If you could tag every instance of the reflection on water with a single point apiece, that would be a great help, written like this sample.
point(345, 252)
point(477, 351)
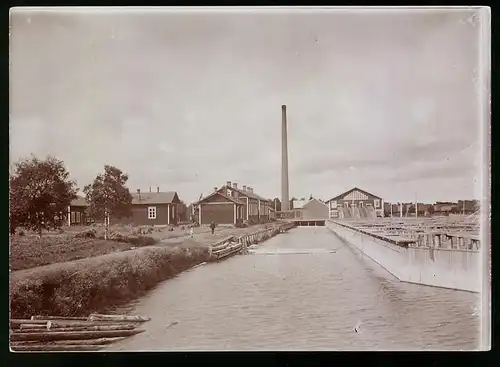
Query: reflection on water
point(317, 300)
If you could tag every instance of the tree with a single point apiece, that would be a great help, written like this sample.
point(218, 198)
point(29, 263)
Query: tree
point(182, 211)
point(310, 196)
point(107, 196)
point(40, 192)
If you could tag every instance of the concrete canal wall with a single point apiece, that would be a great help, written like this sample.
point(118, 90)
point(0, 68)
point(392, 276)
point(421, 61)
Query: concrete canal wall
point(448, 268)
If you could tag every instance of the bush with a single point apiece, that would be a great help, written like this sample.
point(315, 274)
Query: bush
point(91, 233)
point(92, 285)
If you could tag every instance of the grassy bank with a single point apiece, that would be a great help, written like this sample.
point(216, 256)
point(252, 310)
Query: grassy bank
point(70, 274)
point(29, 251)
point(80, 287)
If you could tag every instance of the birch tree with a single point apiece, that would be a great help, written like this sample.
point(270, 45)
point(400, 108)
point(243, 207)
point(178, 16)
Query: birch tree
point(108, 196)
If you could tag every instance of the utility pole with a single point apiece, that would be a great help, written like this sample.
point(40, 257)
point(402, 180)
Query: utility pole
point(416, 205)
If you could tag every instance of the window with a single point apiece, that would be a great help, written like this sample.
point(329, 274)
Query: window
point(334, 204)
point(360, 203)
point(377, 203)
point(346, 204)
point(152, 212)
point(73, 217)
point(78, 217)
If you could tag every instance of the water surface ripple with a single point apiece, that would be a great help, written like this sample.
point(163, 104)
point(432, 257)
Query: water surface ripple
point(302, 301)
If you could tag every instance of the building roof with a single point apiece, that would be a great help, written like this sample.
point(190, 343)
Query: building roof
point(167, 197)
point(79, 201)
point(247, 193)
point(351, 190)
point(298, 204)
point(234, 200)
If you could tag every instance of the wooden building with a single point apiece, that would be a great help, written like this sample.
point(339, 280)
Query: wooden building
point(241, 205)
point(312, 209)
point(255, 207)
point(220, 209)
point(152, 208)
point(77, 212)
point(355, 200)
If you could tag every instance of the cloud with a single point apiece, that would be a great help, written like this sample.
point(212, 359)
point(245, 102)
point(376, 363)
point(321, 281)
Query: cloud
point(188, 101)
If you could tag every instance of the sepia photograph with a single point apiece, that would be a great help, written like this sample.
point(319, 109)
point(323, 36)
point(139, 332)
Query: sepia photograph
point(249, 179)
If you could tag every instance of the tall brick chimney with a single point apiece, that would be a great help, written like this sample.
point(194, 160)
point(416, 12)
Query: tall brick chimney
point(285, 202)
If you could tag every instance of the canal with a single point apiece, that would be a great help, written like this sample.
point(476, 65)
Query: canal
point(306, 301)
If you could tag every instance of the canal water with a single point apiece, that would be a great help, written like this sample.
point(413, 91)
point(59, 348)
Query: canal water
point(295, 300)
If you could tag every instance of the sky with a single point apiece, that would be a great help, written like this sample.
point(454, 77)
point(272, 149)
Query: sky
point(387, 101)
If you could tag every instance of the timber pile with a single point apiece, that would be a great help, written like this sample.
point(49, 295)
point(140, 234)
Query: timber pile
point(53, 333)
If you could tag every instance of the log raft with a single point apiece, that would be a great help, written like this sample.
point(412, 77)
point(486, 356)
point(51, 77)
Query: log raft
point(52, 333)
point(233, 245)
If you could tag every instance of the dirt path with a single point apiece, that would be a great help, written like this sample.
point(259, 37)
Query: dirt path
point(202, 235)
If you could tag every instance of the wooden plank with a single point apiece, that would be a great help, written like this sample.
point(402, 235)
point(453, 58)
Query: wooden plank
point(72, 335)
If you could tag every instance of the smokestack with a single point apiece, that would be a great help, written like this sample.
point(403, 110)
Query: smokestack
point(285, 202)
point(139, 193)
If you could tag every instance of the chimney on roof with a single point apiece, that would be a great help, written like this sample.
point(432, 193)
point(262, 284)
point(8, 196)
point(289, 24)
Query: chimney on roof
point(244, 187)
point(215, 188)
point(235, 185)
point(250, 189)
point(157, 188)
point(228, 184)
point(139, 193)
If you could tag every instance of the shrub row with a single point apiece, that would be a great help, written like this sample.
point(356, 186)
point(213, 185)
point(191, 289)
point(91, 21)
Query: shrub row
point(91, 285)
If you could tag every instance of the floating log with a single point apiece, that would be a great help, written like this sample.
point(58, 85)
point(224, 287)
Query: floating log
point(72, 335)
point(27, 321)
point(69, 318)
point(34, 326)
point(62, 323)
point(55, 348)
point(99, 317)
point(81, 328)
point(99, 341)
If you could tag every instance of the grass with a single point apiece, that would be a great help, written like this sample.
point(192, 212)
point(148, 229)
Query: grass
point(74, 274)
point(78, 288)
point(30, 251)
